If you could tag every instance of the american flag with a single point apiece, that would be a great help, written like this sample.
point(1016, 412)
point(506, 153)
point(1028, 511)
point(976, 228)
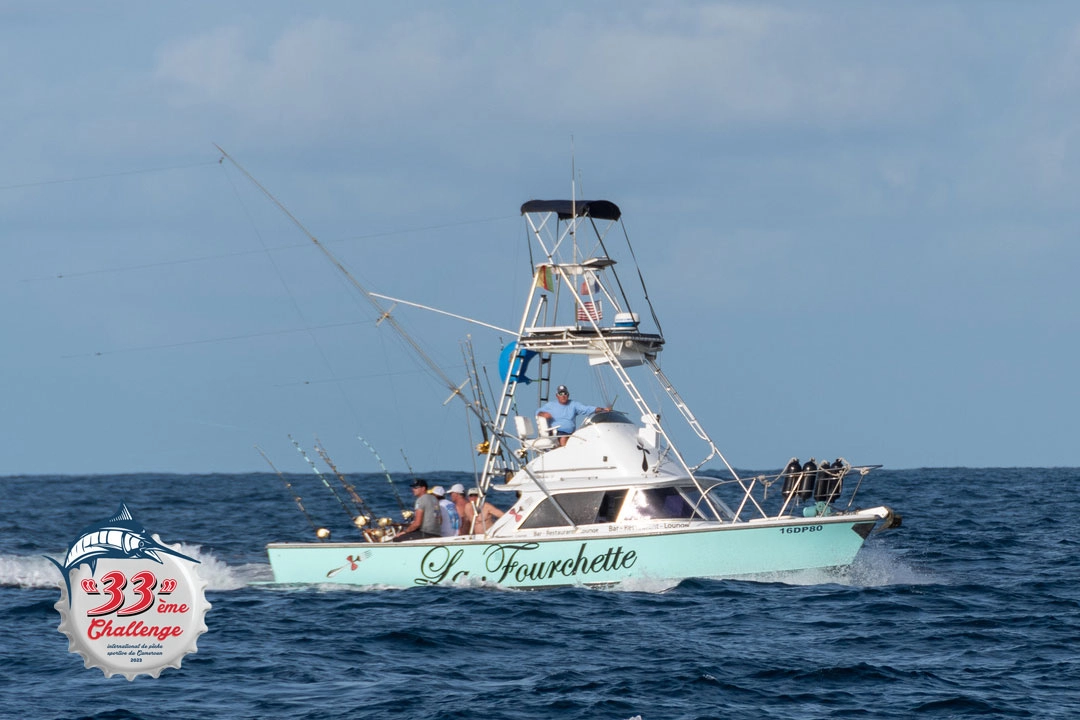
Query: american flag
point(589, 310)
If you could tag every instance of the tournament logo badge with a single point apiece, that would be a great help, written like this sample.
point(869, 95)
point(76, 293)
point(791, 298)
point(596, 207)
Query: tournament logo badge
point(130, 605)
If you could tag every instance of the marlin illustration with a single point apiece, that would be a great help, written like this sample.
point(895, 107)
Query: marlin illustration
point(119, 537)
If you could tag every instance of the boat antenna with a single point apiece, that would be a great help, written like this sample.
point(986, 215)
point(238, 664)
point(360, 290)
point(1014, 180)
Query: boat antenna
point(296, 496)
point(322, 477)
point(358, 501)
point(383, 313)
point(573, 203)
point(386, 472)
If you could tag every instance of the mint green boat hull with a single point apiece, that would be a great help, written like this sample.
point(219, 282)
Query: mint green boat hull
point(707, 552)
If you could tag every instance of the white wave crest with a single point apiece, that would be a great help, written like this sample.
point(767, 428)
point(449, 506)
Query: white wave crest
point(35, 571)
point(222, 576)
point(873, 567)
point(29, 571)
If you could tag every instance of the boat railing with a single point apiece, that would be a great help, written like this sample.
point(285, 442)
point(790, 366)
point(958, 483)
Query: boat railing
point(863, 471)
point(801, 485)
point(747, 484)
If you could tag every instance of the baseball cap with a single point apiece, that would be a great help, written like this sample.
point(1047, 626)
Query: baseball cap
point(418, 482)
point(474, 491)
point(457, 488)
point(562, 390)
point(438, 491)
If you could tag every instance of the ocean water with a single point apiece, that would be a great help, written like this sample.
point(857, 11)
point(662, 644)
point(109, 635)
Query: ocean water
point(971, 609)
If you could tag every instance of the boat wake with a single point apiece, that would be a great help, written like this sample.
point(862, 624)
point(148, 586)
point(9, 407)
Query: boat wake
point(35, 571)
point(222, 576)
point(645, 585)
point(873, 567)
point(32, 571)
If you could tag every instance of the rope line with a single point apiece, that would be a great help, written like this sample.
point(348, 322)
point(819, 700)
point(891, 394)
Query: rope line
point(123, 173)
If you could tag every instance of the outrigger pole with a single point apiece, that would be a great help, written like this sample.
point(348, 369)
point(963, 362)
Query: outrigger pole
point(383, 313)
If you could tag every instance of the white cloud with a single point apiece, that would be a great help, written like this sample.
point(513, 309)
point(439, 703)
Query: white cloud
point(318, 72)
point(210, 67)
point(713, 66)
point(706, 66)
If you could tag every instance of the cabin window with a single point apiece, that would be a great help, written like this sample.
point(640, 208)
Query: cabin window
point(584, 508)
point(610, 506)
point(657, 503)
point(611, 416)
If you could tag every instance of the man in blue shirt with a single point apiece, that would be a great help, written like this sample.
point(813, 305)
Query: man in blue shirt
point(561, 413)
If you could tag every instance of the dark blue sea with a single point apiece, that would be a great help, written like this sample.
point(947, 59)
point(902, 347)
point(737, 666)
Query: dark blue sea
point(971, 609)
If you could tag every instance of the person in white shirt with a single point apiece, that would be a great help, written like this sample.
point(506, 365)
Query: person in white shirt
point(451, 521)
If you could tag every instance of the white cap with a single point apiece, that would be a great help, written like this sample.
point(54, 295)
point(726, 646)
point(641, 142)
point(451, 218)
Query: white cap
point(457, 488)
point(438, 491)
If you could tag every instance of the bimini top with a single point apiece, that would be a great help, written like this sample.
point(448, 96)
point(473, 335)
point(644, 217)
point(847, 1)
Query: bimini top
point(600, 209)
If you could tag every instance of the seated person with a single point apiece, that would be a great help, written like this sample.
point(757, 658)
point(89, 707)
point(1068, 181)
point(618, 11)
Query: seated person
point(426, 522)
point(479, 516)
point(561, 413)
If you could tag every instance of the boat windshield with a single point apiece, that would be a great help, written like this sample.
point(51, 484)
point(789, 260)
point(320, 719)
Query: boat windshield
point(610, 416)
point(583, 508)
point(698, 503)
point(600, 506)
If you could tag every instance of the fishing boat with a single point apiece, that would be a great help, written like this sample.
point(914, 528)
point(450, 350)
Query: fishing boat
point(635, 493)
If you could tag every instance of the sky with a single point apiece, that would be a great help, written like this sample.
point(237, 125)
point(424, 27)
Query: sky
point(856, 221)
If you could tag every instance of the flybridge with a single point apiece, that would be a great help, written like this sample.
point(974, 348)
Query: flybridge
point(631, 347)
point(580, 307)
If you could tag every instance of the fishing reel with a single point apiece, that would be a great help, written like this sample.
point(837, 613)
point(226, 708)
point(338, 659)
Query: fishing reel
point(385, 534)
point(361, 520)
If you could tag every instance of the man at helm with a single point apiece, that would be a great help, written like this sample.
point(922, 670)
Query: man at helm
point(562, 412)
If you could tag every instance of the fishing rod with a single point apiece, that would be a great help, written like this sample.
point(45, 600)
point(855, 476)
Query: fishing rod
point(404, 513)
point(329, 487)
point(321, 533)
point(488, 427)
point(406, 459)
point(478, 391)
point(365, 511)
